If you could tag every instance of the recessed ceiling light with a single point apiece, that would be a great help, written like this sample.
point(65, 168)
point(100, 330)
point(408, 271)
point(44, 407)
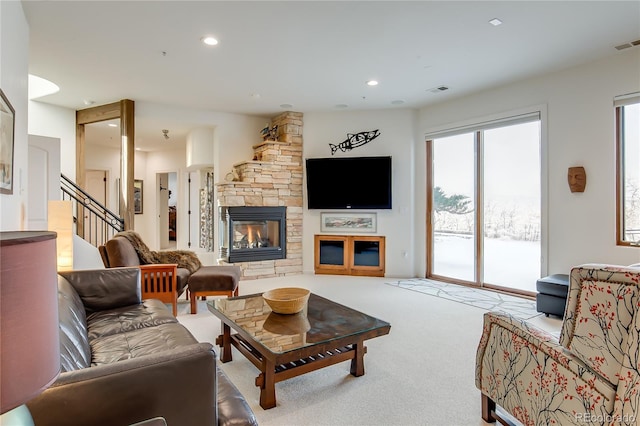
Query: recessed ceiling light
point(286, 106)
point(209, 41)
point(88, 102)
point(112, 125)
point(397, 102)
point(495, 22)
point(372, 83)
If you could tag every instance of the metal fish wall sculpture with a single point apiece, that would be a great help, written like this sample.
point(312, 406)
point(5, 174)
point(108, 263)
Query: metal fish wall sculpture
point(354, 141)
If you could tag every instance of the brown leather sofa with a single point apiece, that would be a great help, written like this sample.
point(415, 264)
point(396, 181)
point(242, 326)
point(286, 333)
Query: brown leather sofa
point(206, 281)
point(125, 360)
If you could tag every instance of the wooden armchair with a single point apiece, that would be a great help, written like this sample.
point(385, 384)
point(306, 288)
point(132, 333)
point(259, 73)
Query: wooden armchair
point(201, 280)
point(160, 282)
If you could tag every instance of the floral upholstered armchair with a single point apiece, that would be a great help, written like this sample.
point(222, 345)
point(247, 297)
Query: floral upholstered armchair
point(591, 376)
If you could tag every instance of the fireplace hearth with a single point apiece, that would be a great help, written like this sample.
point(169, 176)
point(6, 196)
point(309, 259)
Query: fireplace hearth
point(251, 234)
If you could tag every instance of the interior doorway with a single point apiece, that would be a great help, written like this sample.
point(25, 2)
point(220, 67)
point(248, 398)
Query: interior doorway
point(167, 196)
point(124, 111)
point(44, 178)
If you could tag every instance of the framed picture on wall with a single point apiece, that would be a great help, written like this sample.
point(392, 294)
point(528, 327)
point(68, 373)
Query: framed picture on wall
point(137, 196)
point(348, 222)
point(7, 127)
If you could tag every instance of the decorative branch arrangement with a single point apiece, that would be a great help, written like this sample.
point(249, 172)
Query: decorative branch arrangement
point(354, 141)
point(269, 133)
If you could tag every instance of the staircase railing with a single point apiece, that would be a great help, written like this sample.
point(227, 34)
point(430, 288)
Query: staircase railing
point(94, 222)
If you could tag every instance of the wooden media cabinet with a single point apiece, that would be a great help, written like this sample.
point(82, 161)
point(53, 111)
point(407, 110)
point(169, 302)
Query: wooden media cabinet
point(349, 255)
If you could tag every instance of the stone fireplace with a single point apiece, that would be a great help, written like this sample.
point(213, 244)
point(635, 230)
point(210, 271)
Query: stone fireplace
point(272, 179)
point(253, 233)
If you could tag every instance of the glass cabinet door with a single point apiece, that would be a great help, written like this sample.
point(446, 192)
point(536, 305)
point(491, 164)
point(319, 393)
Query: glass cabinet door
point(366, 253)
point(332, 252)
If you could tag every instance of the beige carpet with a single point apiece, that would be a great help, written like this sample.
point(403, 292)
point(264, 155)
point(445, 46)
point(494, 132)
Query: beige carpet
point(422, 373)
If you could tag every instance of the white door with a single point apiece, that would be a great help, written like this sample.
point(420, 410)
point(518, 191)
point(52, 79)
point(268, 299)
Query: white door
point(96, 186)
point(44, 179)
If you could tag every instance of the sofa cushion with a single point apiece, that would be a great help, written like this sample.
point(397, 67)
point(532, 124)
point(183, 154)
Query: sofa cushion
point(231, 402)
point(103, 289)
point(75, 352)
point(149, 313)
point(137, 343)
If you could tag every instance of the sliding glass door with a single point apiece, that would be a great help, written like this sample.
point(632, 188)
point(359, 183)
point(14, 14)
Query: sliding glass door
point(454, 224)
point(484, 205)
point(511, 206)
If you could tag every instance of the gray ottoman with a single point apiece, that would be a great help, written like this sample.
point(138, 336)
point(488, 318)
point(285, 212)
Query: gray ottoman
point(552, 294)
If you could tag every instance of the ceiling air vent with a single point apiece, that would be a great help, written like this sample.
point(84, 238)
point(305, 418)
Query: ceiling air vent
point(628, 45)
point(438, 89)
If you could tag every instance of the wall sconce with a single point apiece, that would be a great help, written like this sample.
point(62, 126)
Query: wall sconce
point(60, 220)
point(577, 178)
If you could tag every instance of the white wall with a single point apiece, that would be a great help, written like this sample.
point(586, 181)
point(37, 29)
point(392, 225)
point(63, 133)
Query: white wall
point(398, 140)
point(234, 134)
point(580, 132)
point(60, 123)
point(85, 255)
point(14, 65)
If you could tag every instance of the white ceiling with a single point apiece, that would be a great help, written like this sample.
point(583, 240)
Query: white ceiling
point(312, 55)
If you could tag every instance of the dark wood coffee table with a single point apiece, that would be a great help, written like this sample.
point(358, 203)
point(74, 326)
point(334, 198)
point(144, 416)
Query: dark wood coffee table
point(286, 346)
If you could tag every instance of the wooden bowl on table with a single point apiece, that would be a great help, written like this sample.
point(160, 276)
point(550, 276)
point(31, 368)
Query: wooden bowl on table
point(286, 300)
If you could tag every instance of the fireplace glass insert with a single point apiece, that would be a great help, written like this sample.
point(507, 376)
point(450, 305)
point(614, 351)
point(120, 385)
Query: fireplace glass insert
point(252, 233)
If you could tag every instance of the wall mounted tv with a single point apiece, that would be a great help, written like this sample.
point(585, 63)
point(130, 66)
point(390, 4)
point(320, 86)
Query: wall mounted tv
point(349, 183)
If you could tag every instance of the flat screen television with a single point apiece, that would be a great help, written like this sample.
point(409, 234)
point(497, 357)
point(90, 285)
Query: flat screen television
point(349, 183)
